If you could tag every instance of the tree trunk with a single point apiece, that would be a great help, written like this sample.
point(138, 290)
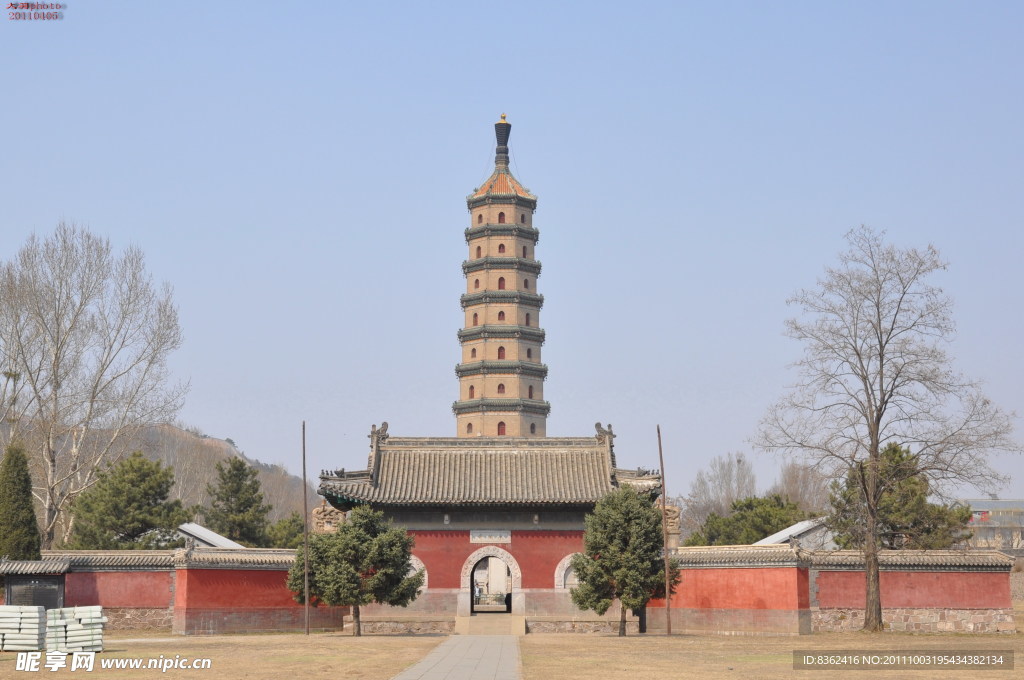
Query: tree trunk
point(622, 619)
point(873, 598)
point(49, 532)
point(357, 628)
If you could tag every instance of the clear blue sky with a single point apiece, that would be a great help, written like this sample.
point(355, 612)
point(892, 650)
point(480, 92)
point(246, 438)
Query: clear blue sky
point(298, 173)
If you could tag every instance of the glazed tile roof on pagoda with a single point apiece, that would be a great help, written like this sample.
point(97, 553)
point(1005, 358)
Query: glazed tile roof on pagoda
point(501, 184)
point(481, 471)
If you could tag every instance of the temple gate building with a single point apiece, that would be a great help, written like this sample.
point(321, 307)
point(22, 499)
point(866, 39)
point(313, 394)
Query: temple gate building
point(496, 511)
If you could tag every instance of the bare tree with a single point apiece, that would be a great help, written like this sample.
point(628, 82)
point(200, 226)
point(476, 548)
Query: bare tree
point(804, 485)
point(728, 478)
point(84, 339)
point(875, 371)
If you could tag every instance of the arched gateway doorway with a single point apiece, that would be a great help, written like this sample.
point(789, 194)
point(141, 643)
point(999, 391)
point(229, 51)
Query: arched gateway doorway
point(491, 581)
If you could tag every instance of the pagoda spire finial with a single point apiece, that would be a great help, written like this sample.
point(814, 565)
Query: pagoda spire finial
point(502, 130)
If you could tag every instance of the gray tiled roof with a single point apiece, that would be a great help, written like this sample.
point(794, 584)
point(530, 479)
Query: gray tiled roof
point(50, 565)
point(166, 560)
point(697, 557)
point(916, 560)
point(443, 471)
point(114, 560)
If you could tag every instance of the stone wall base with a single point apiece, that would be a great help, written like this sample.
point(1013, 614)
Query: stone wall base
point(766, 622)
point(918, 620)
point(193, 621)
point(398, 627)
point(605, 627)
point(130, 618)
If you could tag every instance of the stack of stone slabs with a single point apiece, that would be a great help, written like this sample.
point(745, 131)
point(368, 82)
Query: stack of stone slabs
point(21, 628)
point(75, 629)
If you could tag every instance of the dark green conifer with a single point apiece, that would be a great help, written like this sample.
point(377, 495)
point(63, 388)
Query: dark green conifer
point(622, 557)
point(749, 520)
point(366, 560)
point(19, 531)
point(127, 509)
point(236, 504)
point(906, 518)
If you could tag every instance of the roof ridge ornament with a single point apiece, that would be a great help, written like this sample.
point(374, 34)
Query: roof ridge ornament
point(502, 130)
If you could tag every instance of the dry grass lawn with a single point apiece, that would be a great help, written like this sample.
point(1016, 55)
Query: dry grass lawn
point(241, 657)
point(329, 656)
point(583, 657)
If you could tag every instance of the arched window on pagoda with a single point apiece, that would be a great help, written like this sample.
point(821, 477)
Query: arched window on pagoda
point(479, 220)
point(533, 428)
point(501, 353)
point(472, 353)
point(472, 392)
point(501, 388)
point(469, 428)
point(524, 252)
point(501, 316)
point(529, 394)
point(501, 283)
point(476, 284)
point(501, 248)
point(527, 319)
point(522, 218)
point(501, 429)
point(529, 353)
point(526, 284)
point(479, 251)
point(501, 218)
point(475, 319)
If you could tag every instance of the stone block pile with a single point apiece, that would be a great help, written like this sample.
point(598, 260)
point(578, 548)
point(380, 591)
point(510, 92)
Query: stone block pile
point(75, 629)
point(21, 628)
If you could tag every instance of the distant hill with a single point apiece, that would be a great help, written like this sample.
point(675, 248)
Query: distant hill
point(194, 457)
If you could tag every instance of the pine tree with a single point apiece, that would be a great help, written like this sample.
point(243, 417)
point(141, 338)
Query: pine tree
point(622, 558)
point(286, 532)
point(19, 530)
point(906, 519)
point(366, 560)
point(236, 508)
point(127, 509)
point(749, 520)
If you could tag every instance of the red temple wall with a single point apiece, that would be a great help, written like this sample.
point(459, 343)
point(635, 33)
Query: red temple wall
point(138, 589)
point(233, 588)
point(944, 589)
point(782, 588)
point(538, 553)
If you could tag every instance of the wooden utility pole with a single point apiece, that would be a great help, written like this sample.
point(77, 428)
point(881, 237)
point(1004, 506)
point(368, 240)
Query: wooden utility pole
point(305, 531)
point(664, 532)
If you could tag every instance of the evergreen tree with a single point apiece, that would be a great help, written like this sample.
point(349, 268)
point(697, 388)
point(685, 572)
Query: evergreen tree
point(749, 520)
point(286, 532)
point(19, 530)
point(622, 558)
point(127, 509)
point(236, 508)
point(366, 560)
point(906, 520)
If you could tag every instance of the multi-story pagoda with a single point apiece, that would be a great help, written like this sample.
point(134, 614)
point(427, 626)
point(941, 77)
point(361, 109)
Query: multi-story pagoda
point(497, 511)
point(501, 377)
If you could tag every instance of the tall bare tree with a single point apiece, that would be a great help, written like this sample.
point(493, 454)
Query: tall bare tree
point(84, 339)
point(875, 371)
point(728, 478)
point(803, 484)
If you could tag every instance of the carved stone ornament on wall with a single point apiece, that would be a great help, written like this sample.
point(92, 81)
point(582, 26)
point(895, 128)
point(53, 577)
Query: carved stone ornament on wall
point(490, 551)
point(326, 519)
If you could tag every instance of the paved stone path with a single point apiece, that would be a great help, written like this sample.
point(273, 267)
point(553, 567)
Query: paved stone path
point(469, 657)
